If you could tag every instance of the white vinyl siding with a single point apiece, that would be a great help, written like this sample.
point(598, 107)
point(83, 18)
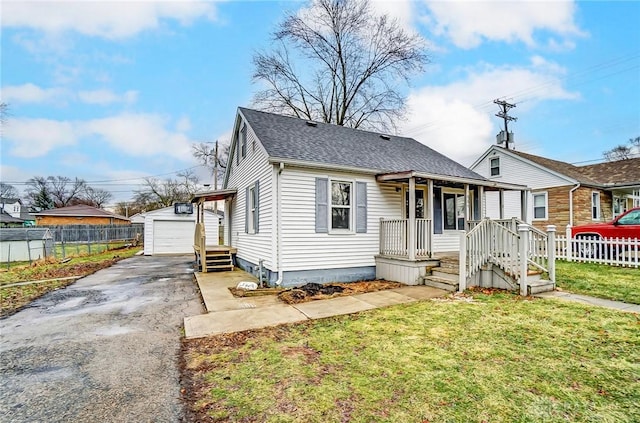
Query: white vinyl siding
point(515, 170)
point(253, 167)
point(304, 249)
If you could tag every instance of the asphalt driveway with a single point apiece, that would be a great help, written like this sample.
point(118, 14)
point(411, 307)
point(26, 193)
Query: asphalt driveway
point(103, 349)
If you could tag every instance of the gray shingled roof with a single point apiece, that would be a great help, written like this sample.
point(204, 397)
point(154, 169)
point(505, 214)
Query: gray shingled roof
point(292, 138)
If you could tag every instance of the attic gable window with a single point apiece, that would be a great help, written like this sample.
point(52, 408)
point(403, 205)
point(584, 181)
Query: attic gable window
point(494, 166)
point(243, 140)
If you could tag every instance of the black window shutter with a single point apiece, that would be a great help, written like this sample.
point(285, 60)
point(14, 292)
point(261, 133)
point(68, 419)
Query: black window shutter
point(322, 205)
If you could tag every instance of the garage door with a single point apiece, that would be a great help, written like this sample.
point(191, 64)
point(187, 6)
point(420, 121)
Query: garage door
point(173, 237)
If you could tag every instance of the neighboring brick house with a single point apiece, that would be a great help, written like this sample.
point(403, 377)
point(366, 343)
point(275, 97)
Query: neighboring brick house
point(561, 193)
point(79, 215)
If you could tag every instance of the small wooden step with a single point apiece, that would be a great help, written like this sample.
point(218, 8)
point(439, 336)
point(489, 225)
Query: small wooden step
point(441, 283)
point(536, 287)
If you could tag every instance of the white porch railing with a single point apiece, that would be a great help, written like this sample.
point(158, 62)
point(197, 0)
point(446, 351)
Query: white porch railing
point(491, 241)
point(394, 237)
point(609, 251)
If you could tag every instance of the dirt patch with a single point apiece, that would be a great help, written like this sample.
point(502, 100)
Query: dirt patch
point(315, 291)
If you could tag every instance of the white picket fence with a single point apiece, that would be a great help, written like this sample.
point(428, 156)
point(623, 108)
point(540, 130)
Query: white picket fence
point(611, 251)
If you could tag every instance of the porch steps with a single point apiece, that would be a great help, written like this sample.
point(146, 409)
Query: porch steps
point(218, 260)
point(539, 286)
point(444, 276)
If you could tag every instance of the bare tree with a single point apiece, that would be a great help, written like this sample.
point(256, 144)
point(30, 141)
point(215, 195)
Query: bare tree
point(205, 154)
point(95, 197)
point(163, 193)
point(66, 191)
point(8, 191)
point(623, 151)
point(339, 63)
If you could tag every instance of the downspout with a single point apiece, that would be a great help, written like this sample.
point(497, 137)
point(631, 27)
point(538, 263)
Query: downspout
point(571, 203)
point(279, 226)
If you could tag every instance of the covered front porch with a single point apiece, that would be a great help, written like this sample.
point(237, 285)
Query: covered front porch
point(436, 209)
point(210, 254)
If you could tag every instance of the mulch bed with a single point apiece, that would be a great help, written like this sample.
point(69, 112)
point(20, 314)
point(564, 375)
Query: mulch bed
point(316, 291)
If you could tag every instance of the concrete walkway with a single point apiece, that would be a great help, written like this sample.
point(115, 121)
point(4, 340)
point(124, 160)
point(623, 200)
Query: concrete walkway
point(227, 314)
point(584, 299)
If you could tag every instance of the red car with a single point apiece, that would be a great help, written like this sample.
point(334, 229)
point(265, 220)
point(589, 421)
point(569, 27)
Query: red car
point(627, 225)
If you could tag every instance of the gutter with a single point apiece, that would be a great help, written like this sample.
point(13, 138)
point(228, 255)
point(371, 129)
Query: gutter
point(571, 203)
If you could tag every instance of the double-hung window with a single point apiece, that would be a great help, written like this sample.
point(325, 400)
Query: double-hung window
point(540, 206)
point(494, 166)
point(595, 205)
point(252, 208)
point(341, 201)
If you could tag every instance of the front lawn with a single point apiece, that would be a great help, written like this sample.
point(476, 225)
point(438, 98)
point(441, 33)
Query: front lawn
point(599, 280)
point(499, 358)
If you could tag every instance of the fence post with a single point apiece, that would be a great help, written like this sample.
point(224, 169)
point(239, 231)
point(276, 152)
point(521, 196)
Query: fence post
point(523, 231)
point(551, 252)
point(569, 243)
point(462, 263)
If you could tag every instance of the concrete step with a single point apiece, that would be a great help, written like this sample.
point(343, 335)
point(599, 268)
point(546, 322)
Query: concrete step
point(448, 274)
point(536, 287)
point(440, 283)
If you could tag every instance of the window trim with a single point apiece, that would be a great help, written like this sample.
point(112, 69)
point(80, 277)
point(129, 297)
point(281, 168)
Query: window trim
point(351, 207)
point(597, 207)
point(491, 167)
point(546, 205)
point(243, 141)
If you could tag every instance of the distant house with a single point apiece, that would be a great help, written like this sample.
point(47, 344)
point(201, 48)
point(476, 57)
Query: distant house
point(309, 201)
point(8, 221)
point(79, 215)
point(561, 193)
point(14, 208)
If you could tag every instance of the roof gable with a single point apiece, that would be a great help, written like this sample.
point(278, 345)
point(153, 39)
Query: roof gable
point(290, 138)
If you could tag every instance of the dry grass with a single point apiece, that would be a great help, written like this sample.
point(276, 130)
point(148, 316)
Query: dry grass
point(498, 358)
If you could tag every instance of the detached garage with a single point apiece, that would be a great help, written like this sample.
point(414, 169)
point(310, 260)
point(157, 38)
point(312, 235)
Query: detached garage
point(171, 230)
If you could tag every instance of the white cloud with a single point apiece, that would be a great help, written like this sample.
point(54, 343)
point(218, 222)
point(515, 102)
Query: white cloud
point(105, 19)
point(37, 137)
point(402, 10)
point(136, 135)
point(183, 124)
point(30, 93)
point(469, 23)
point(458, 119)
point(140, 135)
point(104, 97)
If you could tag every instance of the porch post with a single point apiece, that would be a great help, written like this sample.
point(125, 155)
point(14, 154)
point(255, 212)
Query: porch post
point(501, 203)
point(524, 207)
point(480, 202)
point(467, 206)
point(523, 231)
point(551, 252)
point(411, 250)
point(430, 216)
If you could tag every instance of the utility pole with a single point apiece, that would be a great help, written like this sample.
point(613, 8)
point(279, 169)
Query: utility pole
point(504, 115)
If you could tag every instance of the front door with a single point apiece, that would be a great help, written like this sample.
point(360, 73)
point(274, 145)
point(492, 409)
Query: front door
point(420, 203)
point(453, 208)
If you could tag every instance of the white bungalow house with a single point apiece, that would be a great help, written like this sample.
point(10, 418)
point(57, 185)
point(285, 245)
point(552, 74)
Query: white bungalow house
point(314, 202)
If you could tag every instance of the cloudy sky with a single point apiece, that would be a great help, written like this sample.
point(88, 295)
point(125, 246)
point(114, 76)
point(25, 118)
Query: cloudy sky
point(114, 91)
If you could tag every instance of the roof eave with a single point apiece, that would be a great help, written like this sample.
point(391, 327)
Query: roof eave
point(213, 195)
point(389, 177)
point(319, 165)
